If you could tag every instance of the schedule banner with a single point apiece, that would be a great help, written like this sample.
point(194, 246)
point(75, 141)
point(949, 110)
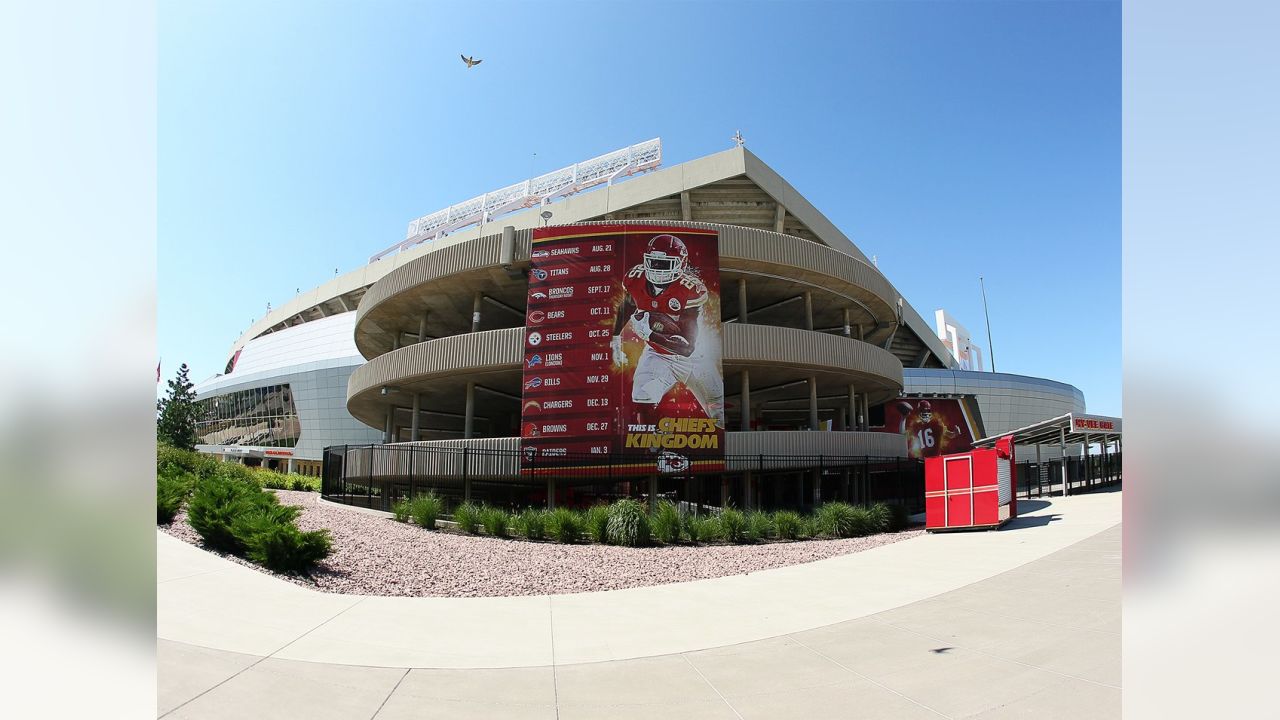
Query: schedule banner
point(622, 350)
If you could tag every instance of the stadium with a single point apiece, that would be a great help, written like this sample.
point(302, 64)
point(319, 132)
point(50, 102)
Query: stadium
point(818, 380)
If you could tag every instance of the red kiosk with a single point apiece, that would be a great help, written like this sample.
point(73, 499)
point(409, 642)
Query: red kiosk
point(970, 490)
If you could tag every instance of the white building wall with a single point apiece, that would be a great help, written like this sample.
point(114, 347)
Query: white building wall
point(315, 359)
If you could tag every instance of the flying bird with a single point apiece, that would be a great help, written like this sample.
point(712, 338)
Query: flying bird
point(470, 61)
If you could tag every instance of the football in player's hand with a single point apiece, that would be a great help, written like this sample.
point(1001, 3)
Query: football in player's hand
point(665, 324)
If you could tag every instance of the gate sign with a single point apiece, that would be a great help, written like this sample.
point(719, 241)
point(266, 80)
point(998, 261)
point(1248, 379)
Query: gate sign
point(622, 349)
point(1094, 424)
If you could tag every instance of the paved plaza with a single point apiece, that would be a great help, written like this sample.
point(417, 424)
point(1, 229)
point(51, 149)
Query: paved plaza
point(1024, 622)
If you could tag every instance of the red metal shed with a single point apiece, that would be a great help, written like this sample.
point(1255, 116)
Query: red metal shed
point(970, 490)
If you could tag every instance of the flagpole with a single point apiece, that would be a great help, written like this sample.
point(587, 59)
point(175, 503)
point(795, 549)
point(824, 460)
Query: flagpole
point(990, 347)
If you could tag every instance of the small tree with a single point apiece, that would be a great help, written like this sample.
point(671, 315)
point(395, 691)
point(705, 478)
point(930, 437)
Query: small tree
point(176, 414)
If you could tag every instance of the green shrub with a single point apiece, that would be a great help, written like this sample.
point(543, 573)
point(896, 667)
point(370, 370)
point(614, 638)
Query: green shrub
point(496, 521)
point(400, 510)
point(307, 483)
point(666, 523)
point(270, 538)
point(467, 516)
point(733, 525)
point(271, 480)
point(628, 523)
point(836, 519)
point(597, 521)
point(531, 524)
point(702, 528)
point(881, 517)
point(899, 518)
point(808, 528)
point(216, 504)
point(185, 461)
point(787, 524)
point(759, 526)
point(425, 509)
point(864, 522)
point(171, 491)
point(564, 525)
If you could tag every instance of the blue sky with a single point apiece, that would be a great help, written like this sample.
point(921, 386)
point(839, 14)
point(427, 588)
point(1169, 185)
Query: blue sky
point(951, 140)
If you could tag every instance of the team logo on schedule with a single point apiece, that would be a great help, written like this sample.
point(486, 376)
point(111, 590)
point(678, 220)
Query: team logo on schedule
point(669, 462)
point(530, 452)
point(533, 383)
point(539, 295)
point(540, 254)
point(535, 360)
point(540, 274)
point(537, 316)
point(535, 338)
point(533, 406)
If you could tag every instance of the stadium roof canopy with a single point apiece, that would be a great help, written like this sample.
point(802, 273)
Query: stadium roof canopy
point(732, 187)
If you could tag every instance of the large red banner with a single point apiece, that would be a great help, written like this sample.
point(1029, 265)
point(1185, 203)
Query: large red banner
point(931, 427)
point(622, 350)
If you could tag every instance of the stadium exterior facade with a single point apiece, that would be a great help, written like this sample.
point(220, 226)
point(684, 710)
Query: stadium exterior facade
point(424, 347)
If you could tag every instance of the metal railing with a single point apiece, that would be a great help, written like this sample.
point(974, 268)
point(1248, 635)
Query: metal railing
point(1044, 479)
point(376, 476)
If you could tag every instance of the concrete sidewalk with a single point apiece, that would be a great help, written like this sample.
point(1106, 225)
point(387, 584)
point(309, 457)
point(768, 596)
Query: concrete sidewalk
point(1038, 635)
point(209, 602)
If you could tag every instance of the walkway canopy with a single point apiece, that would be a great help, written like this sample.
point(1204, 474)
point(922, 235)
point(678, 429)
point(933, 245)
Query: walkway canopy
point(1069, 429)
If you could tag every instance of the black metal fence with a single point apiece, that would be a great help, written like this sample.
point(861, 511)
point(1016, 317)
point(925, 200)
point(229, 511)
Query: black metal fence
point(1045, 478)
point(376, 476)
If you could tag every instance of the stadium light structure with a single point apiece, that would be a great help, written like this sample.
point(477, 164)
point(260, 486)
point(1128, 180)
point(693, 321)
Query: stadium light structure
point(601, 170)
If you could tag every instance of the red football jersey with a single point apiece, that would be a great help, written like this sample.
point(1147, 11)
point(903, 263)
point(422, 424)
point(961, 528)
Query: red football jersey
point(673, 310)
point(926, 439)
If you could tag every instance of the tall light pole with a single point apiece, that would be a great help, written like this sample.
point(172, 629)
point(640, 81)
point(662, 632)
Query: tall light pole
point(990, 348)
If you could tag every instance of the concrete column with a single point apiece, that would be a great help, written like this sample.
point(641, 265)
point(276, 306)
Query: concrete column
point(817, 487)
point(780, 218)
point(808, 310)
point(848, 330)
point(724, 491)
point(1087, 473)
point(742, 300)
point(551, 493)
point(813, 402)
point(1106, 467)
point(853, 408)
point(1062, 446)
point(749, 500)
point(395, 341)
point(422, 327)
point(862, 333)
point(746, 401)
point(391, 416)
point(288, 468)
point(653, 493)
point(469, 417)
point(866, 412)
point(414, 434)
point(1038, 472)
point(475, 312)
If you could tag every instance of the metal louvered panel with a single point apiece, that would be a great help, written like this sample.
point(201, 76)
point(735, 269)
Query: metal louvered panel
point(474, 254)
point(748, 343)
point(805, 449)
point(471, 352)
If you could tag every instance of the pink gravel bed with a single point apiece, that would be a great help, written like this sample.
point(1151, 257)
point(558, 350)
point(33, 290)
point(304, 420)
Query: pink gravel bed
point(373, 555)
